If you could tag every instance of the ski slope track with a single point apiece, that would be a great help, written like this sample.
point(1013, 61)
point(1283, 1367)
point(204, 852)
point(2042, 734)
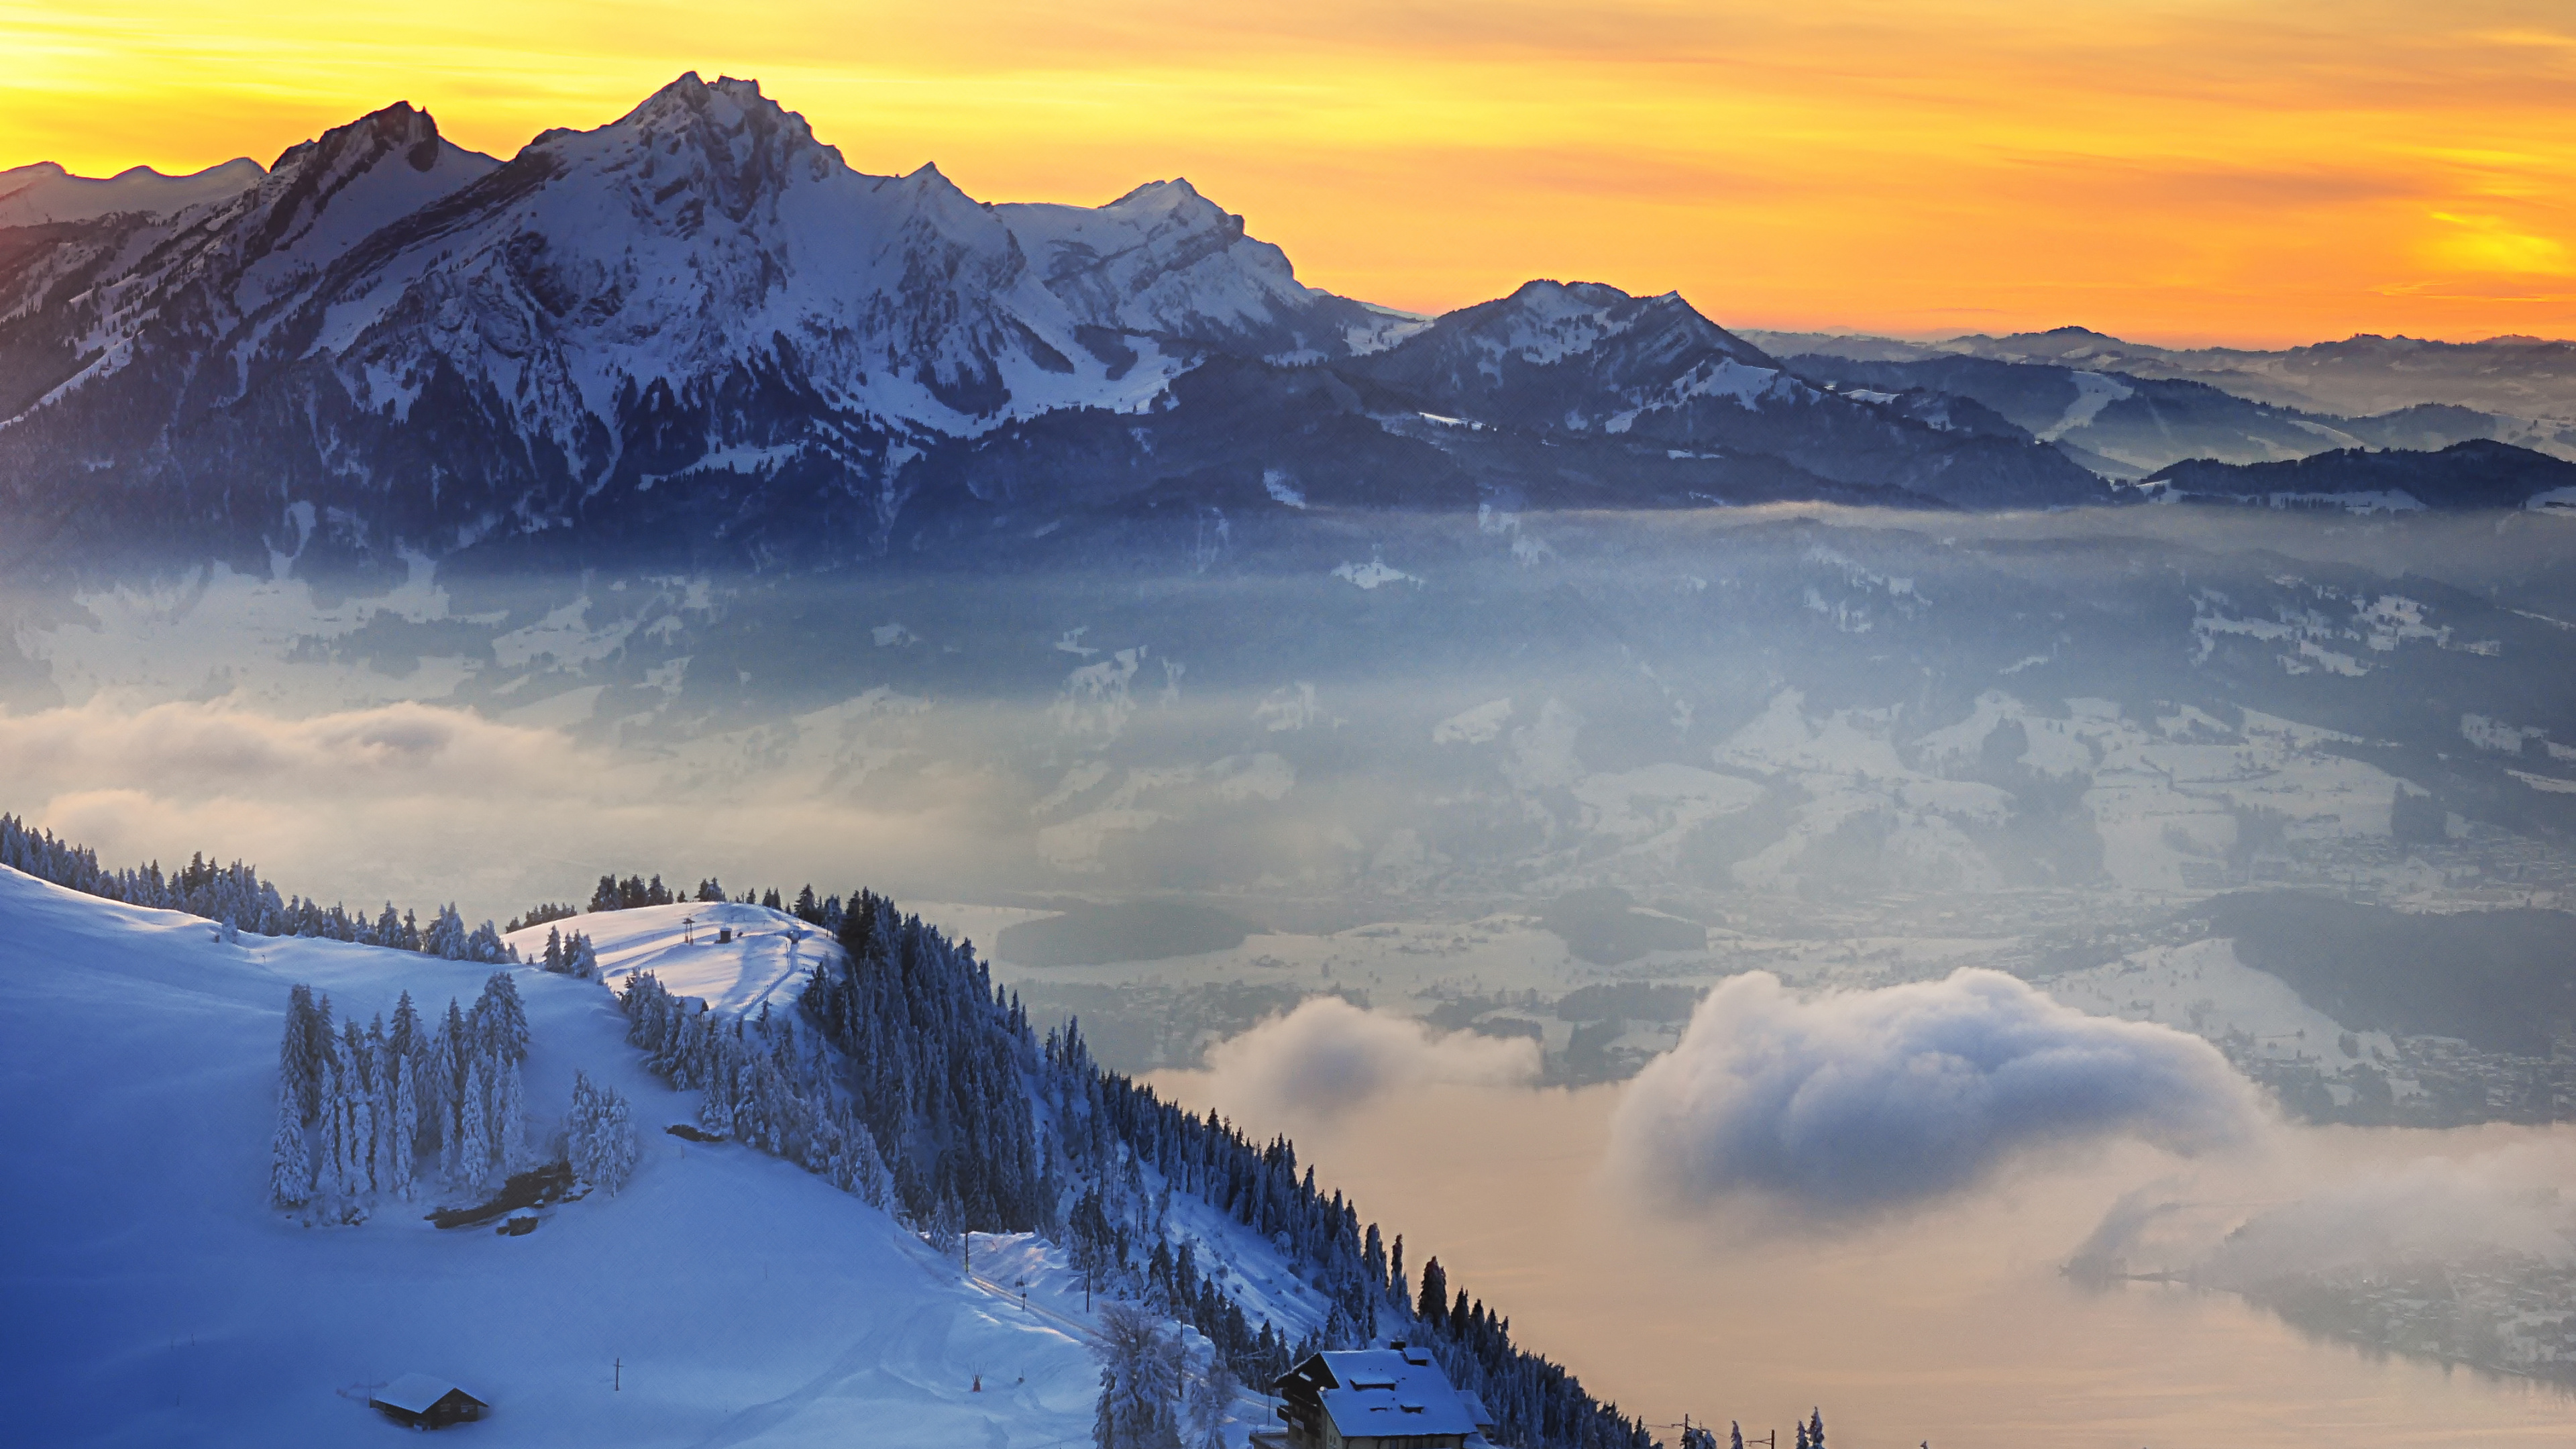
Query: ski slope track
point(723, 1298)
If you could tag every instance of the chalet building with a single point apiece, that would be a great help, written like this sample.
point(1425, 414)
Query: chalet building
point(422, 1402)
point(1377, 1398)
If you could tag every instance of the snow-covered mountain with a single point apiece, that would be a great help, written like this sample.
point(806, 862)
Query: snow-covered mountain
point(45, 192)
point(698, 329)
point(423, 343)
point(1585, 358)
point(2126, 408)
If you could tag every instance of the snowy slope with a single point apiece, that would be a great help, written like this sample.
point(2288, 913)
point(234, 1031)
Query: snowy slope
point(156, 1299)
point(2204, 989)
point(764, 964)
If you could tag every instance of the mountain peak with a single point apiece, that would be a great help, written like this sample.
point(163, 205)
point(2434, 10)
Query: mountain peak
point(398, 127)
point(726, 100)
point(1172, 195)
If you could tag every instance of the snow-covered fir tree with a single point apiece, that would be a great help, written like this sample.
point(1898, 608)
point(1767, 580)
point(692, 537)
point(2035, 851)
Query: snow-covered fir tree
point(300, 1051)
point(472, 1172)
point(508, 1117)
point(1211, 1403)
point(499, 1020)
point(290, 1166)
point(599, 1137)
point(1141, 1372)
point(444, 1080)
point(446, 937)
point(486, 944)
point(402, 1137)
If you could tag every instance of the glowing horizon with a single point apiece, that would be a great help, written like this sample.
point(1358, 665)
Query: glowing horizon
point(2180, 171)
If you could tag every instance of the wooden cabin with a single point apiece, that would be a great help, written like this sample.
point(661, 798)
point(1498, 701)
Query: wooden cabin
point(421, 1402)
point(1377, 1398)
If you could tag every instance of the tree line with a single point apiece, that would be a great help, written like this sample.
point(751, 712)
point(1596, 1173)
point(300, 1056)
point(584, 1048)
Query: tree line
point(235, 897)
point(360, 1110)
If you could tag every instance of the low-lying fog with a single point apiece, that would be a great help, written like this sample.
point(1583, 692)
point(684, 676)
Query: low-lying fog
point(1438, 778)
point(1949, 1323)
point(1354, 711)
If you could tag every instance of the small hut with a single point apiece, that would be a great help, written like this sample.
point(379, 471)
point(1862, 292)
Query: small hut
point(423, 1402)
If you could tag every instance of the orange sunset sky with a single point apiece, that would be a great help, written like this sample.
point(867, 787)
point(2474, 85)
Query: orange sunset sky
point(2173, 170)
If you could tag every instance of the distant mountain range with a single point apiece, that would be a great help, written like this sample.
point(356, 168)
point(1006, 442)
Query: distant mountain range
point(2126, 409)
point(697, 332)
point(2473, 475)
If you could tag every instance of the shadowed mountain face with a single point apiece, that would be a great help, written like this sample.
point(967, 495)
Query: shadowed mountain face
point(700, 321)
point(2470, 475)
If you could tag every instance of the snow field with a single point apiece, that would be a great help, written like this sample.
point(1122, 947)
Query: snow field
point(2203, 989)
point(157, 1299)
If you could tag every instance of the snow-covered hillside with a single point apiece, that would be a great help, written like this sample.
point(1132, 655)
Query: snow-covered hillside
point(723, 1297)
point(762, 965)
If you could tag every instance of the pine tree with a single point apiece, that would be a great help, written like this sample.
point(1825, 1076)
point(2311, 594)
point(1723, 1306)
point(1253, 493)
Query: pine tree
point(1433, 1307)
point(290, 1168)
point(486, 945)
point(500, 1022)
point(403, 1138)
point(554, 949)
point(1104, 1420)
point(1141, 1380)
point(599, 1137)
point(1211, 1404)
point(509, 1115)
point(614, 1149)
point(404, 1038)
point(298, 1070)
point(473, 1169)
point(1816, 1429)
point(331, 1175)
